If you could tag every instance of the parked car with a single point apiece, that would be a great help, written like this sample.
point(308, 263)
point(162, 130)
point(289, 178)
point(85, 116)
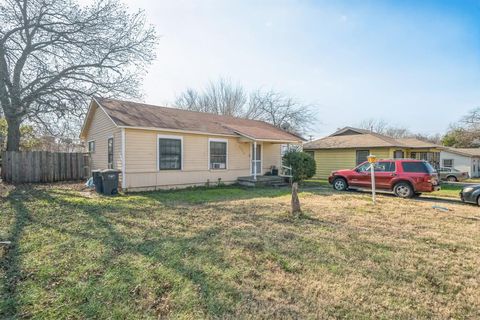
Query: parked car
point(471, 194)
point(452, 174)
point(405, 177)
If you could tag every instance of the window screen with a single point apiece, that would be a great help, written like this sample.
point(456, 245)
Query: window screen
point(110, 153)
point(362, 156)
point(448, 163)
point(218, 155)
point(170, 154)
point(399, 154)
point(91, 146)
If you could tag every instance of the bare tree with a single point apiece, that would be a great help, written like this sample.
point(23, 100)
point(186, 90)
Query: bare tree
point(281, 111)
point(374, 125)
point(54, 54)
point(383, 127)
point(222, 97)
point(466, 132)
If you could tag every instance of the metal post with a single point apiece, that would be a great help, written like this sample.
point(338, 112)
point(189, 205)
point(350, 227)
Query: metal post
point(254, 162)
point(372, 172)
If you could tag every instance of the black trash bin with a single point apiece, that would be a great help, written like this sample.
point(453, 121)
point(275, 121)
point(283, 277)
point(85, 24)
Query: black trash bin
point(110, 181)
point(97, 180)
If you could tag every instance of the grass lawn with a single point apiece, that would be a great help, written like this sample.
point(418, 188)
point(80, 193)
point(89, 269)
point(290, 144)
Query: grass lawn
point(447, 191)
point(235, 253)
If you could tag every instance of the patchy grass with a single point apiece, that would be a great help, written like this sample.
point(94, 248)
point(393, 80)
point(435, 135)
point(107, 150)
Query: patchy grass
point(447, 191)
point(235, 253)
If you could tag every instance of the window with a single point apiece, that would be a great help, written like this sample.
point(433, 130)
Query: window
point(218, 154)
point(448, 163)
point(362, 156)
point(110, 153)
point(385, 166)
point(169, 153)
point(419, 167)
point(398, 154)
point(91, 146)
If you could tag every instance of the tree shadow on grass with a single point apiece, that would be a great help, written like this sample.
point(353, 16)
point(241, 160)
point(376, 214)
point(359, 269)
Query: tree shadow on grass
point(11, 264)
point(192, 258)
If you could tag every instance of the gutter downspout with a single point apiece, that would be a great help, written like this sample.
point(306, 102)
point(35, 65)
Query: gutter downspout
point(254, 160)
point(124, 182)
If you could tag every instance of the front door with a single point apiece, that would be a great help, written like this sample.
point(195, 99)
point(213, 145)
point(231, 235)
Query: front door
point(256, 159)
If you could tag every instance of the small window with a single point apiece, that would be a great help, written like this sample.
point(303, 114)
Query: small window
point(91, 146)
point(417, 166)
point(362, 156)
point(110, 153)
point(218, 155)
point(448, 163)
point(169, 154)
point(398, 154)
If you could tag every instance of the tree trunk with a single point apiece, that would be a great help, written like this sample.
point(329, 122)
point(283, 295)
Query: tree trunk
point(13, 135)
point(295, 201)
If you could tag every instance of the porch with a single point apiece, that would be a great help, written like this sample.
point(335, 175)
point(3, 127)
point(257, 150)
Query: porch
point(262, 181)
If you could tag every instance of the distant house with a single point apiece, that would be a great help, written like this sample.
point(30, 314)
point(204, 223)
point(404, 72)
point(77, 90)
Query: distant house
point(463, 159)
point(158, 147)
point(349, 147)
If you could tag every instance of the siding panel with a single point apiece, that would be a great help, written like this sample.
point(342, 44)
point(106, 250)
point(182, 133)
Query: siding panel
point(141, 160)
point(101, 128)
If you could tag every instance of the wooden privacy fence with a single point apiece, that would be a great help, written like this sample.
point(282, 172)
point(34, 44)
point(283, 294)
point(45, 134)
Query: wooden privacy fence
point(43, 166)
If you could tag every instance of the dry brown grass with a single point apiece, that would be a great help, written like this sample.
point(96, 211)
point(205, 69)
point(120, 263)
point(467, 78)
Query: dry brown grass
point(236, 253)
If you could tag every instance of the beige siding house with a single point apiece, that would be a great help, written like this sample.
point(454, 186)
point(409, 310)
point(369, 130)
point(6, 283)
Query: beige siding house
point(348, 147)
point(157, 147)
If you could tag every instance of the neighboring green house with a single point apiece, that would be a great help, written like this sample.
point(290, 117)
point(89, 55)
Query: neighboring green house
point(349, 147)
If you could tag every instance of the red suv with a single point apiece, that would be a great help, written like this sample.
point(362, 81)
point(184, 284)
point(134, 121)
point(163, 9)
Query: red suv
point(405, 177)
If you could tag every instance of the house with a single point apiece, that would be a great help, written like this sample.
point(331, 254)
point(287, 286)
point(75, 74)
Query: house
point(350, 146)
point(463, 159)
point(158, 147)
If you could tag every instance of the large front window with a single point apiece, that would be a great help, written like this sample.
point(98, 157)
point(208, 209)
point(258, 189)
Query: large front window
point(170, 153)
point(218, 155)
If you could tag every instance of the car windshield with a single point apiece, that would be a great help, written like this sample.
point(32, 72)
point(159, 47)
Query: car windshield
point(363, 167)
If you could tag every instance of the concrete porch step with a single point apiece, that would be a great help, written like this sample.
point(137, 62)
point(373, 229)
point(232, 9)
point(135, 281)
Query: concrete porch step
point(249, 181)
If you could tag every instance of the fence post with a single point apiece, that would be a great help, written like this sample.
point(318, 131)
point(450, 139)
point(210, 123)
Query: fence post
point(4, 162)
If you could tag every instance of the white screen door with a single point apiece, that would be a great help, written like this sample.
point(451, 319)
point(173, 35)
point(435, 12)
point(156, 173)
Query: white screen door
point(257, 162)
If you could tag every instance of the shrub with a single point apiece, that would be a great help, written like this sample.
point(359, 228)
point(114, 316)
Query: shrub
point(302, 164)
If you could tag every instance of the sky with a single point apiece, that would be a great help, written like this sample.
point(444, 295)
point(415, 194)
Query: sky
point(415, 64)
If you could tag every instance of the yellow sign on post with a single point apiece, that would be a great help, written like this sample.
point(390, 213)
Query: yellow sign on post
point(372, 160)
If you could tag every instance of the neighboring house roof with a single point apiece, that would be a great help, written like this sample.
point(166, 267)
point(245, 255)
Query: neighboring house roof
point(467, 152)
point(350, 137)
point(139, 115)
point(417, 143)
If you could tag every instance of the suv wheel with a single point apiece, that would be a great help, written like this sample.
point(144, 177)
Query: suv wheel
point(478, 201)
point(452, 179)
point(403, 190)
point(340, 184)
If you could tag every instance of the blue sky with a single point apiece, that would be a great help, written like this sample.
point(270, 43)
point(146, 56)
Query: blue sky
point(412, 63)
